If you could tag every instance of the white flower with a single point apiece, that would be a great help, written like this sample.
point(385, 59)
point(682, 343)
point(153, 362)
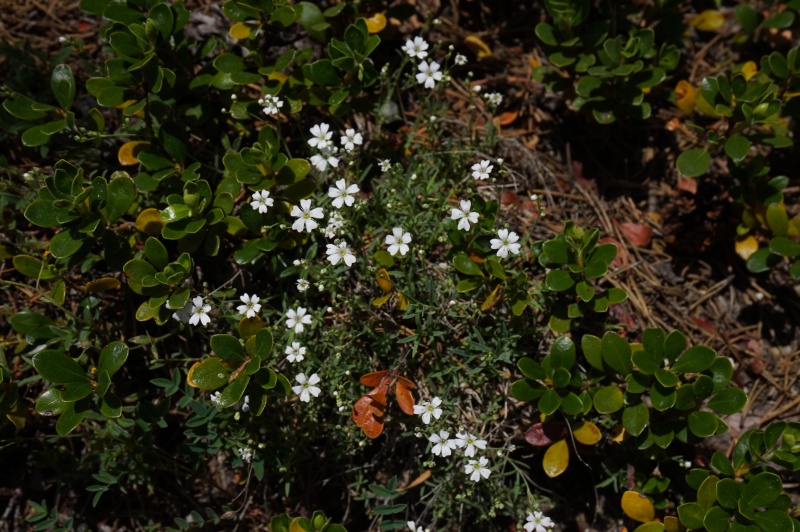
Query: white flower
point(460, 60)
point(295, 353)
point(340, 252)
point(323, 159)
point(305, 215)
point(464, 215)
point(246, 454)
point(342, 194)
point(427, 409)
point(428, 74)
point(471, 442)
point(398, 241)
point(493, 98)
point(297, 319)
point(534, 197)
point(302, 285)
point(261, 201)
point(250, 307)
point(200, 311)
point(271, 104)
point(443, 446)
point(481, 170)
point(385, 165)
point(476, 88)
point(505, 242)
point(245, 406)
point(414, 528)
point(215, 398)
point(321, 138)
point(350, 139)
point(416, 48)
point(538, 522)
point(306, 388)
point(477, 469)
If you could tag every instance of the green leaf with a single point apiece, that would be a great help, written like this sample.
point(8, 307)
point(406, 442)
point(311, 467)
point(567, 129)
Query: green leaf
point(721, 463)
point(112, 357)
point(50, 403)
point(777, 219)
point(584, 290)
point(227, 347)
point(22, 107)
point(57, 367)
point(728, 493)
point(559, 280)
point(691, 515)
point(234, 391)
point(161, 14)
point(521, 390)
point(210, 374)
point(65, 244)
point(494, 268)
point(121, 194)
point(702, 424)
point(70, 418)
point(43, 213)
point(137, 271)
point(75, 391)
point(716, 520)
point(466, 266)
point(175, 212)
point(761, 490)
point(674, 344)
point(293, 171)
point(562, 353)
point(662, 397)
point(736, 147)
point(762, 260)
point(608, 399)
point(38, 135)
point(384, 258)
point(694, 163)
point(666, 378)
point(785, 247)
point(592, 348)
point(111, 405)
point(696, 359)
point(33, 268)
point(323, 72)
point(156, 253)
point(556, 251)
point(549, 402)
point(635, 418)
point(468, 285)
point(264, 343)
point(62, 82)
point(646, 361)
point(728, 401)
point(531, 369)
point(774, 521)
point(616, 353)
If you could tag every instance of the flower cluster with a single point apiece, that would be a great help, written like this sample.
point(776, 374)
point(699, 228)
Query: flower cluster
point(538, 522)
point(428, 73)
point(271, 104)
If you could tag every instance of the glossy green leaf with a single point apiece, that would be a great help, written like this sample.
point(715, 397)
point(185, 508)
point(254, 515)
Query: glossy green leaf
point(75, 391)
point(66, 243)
point(559, 280)
point(702, 424)
point(774, 521)
point(70, 418)
point(698, 358)
point(50, 403)
point(736, 147)
point(111, 406)
point(674, 344)
point(662, 398)
point(112, 357)
point(562, 353)
point(785, 247)
point(156, 253)
point(234, 391)
point(592, 348)
point(549, 402)
point(716, 520)
point(694, 163)
point(531, 369)
point(556, 251)
point(210, 374)
point(33, 268)
point(62, 82)
point(121, 194)
point(57, 367)
point(616, 352)
point(647, 362)
point(38, 135)
point(521, 390)
point(691, 515)
point(728, 401)
point(264, 343)
point(466, 266)
point(43, 213)
point(608, 399)
point(761, 490)
point(635, 418)
point(227, 347)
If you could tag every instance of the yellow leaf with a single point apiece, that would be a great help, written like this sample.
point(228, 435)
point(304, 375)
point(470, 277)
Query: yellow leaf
point(708, 20)
point(378, 301)
point(250, 326)
point(638, 507)
point(671, 524)
point(124, 105)
point(128, 151)
point(493, 298)
point(294, 526)
point(556, 459)
point(749, 70)
point(534, 62)
point(794, 226)
point(746, 246)
point(619, 434)
point(240, 30)
point(101, 285)
point(478, 47)
point(652, 526)
point(149, 221)
point(587, 433)
point(402, 302)
point(702, 105)
point(684, 97)
point(189, 379)
point(417, 481)
point(278, 76)
point(384, 281)
point(376, 22)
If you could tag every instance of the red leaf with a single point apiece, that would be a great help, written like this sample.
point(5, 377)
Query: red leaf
point(637, 234)
point(704, 323)
point(509, 198)
point(544, 434)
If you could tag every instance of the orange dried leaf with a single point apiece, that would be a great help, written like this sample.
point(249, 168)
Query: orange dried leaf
point(587, 433)
point(556, 459)
point(373, 379)
point(508, 117)
point(417, 481)
point(384, 281)
point(638, 507)
point(637, 234)
point(478, 47)
point(404, 398)
point(379, 393)
point(746, 246)
point(373, 427)
point(376, 22)
point(127, 152)
point(708, 20)
point(688, 185)
point(684, 97)
point(406, 382)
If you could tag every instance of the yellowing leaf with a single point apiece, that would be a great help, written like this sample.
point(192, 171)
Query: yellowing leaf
point(149, 221)
point(402, 302)
point(384, 281)
point(294, 526)
point(417, 481)
point(587, 433)
point(708, 20)
point(671, 524)
point(534, 62)
point(619, 434)
point(749, 70)
point(638, 507)
point(101, 285)
point(378, 301)
point(493, 298)
point(478, 47)
point(702, 105)
point(556, 459)
point(376, 22)
point(794, 226)
point(127, 152)
point(240, 30)
point(684, 97)
point(652, 526)
point(279, 76)
point(250, 326)
point(124, 105)
point(746, 246)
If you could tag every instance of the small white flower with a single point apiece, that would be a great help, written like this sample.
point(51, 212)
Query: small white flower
point(215, 398)
point(464, 215)
point(442, 445)
point(415, 528)
point(245, 406)
point(250, 307)
point(385, 165)
point(493, 98)
point(538, 522)
point(398, 241)
point(505, 242)
point(477, 469)
point(476, 88)
point(471, 442)
point(305, 215)
point(261, 201)
point(297, 319)
point(428, 74)
point(321, 136)
point(340, 252)
point(200, 311)
point(481, 170)
point(416, 48)
point(350, 139)
point(343, 194)
point(427, 409)
point(534, 197)
point(460, 60)
point(295, 352)
point(302, 285)
point(246, 453)
point(271, 104)
point(306, 388)
point(324, 159)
